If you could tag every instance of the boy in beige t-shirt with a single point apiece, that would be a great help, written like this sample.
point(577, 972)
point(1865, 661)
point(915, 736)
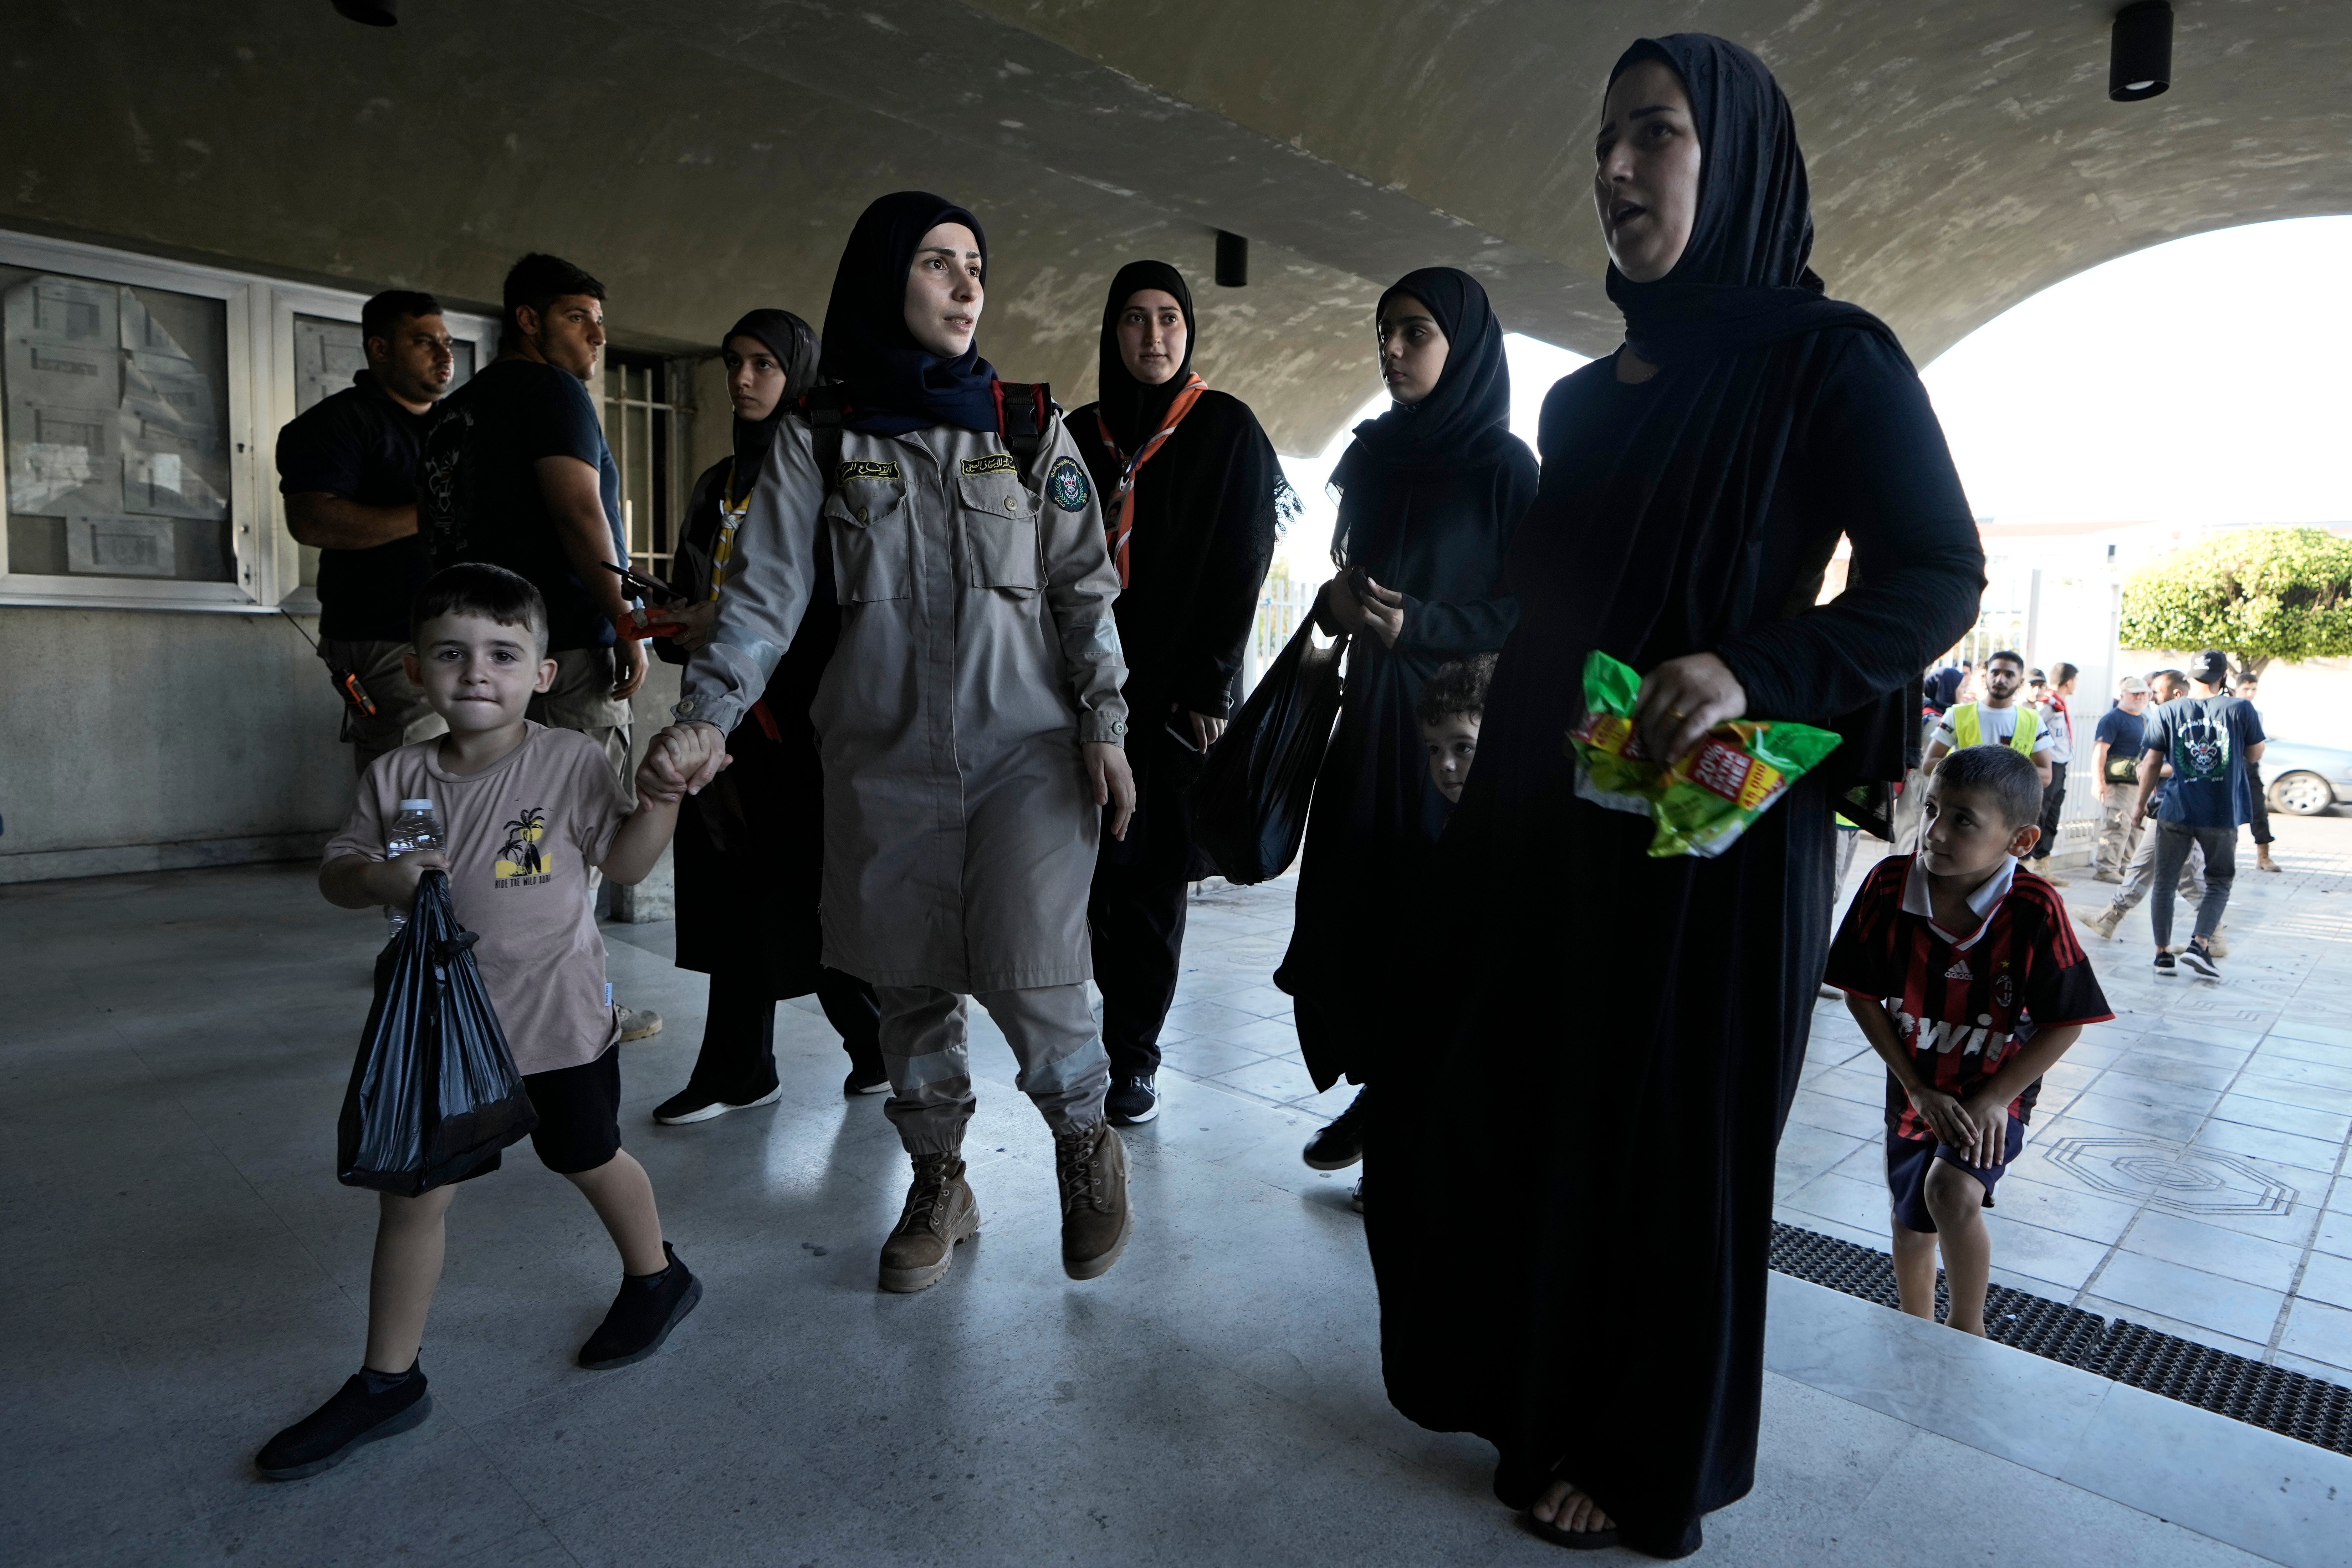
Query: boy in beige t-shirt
point(526, 812)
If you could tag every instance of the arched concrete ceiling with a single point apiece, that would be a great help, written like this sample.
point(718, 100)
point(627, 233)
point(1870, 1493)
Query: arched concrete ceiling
point(704, 155)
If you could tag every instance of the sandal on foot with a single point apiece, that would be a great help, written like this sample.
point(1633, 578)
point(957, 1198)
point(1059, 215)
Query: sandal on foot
point(1574, 1540)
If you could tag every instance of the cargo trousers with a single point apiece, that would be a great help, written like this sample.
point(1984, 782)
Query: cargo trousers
point(925, 1045)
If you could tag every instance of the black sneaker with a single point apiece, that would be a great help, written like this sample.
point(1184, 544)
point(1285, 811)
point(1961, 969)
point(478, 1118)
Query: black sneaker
point(1342, 1142)
point(353, 1418)
point(867, 1075)
point(2198, 962)
point(1133, 1100)
point(690, 1105)
point(648, 1307)
point(2164, 968)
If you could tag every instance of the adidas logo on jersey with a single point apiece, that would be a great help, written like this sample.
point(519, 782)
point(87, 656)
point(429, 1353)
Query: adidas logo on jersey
point(1958, 971)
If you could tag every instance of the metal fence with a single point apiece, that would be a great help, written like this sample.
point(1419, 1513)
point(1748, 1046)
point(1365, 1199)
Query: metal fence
point(1282, 603)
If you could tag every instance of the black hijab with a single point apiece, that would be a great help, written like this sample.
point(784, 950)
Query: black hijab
point(1463, 424)
point(1134, 411)
point(895, 384)
point(1644, 537)
point(1742, 278)
point(794, 342)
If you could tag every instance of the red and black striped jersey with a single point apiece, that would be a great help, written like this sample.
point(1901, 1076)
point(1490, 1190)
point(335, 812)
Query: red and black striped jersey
point(1963, 1004)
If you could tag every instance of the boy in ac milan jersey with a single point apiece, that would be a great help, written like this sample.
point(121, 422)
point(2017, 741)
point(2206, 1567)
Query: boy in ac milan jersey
point(1963, 970)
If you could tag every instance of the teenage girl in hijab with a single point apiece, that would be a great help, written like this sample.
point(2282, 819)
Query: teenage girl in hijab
point(1430, 494)
point(969, 721)
point(1574, 1212)
point(1190, 488)
point(750, 852)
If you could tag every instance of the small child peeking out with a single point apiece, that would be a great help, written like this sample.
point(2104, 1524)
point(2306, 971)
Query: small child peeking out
point(525, 812)
point(1452, 705)
point(1963, 970)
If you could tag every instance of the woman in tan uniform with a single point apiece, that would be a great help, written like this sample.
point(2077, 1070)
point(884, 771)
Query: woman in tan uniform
point(969, 721)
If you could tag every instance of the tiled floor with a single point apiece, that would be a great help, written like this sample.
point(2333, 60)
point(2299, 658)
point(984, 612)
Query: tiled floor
point(186, 1276)
point(2186, 1165)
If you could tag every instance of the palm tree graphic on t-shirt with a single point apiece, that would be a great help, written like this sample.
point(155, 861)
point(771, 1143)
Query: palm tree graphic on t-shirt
point(520, 855)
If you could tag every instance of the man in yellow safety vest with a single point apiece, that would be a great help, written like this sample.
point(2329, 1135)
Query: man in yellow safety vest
point(2000, 719)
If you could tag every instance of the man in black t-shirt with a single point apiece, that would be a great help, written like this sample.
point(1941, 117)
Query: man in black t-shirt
point(516, 473)
point(348, 471)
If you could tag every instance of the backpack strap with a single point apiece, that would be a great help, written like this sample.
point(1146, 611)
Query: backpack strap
point(1024, 418)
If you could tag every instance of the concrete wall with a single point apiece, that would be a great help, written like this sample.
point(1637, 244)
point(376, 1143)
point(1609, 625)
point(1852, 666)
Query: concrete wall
point(152, 739)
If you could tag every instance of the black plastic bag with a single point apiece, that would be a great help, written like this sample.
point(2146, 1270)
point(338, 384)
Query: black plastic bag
point(1249, 804)
point(435, 1092)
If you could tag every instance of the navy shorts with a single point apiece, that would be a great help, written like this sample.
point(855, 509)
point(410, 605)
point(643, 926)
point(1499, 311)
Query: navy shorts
point(1908, 1163)
point(579, 1117)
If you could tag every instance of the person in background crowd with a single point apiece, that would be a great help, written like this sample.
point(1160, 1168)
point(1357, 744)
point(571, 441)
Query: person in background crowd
point(2248, 686)
point(1996, 720)
point(1430, 494)
point(749, 852)
point(2210, 740)
point(2115, 762)
point(516, 473)
point(2058, 723)
point(2139, 869)
point(1942, 688)
point(347, 467)
point(1191, 492)
point(970, 720)
point(1569, 1204)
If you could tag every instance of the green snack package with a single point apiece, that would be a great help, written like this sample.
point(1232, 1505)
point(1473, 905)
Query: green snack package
point(1703, 802)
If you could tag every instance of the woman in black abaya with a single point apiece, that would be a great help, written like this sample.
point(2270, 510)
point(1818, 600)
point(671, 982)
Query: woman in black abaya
point(1429, 495)
point(1190, 489)
point(750, 851)
point(1573, 1209)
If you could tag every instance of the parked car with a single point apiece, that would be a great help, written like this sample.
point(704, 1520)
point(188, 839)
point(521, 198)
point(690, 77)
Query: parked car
point(2306, 780)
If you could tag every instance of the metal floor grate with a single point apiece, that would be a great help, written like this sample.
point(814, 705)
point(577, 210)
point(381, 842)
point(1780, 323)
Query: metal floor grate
point(2268, 1396)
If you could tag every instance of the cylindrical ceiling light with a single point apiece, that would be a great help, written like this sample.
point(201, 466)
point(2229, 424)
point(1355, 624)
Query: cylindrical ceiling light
point(375, 13)
point(2141, 64)
point(1233, 260)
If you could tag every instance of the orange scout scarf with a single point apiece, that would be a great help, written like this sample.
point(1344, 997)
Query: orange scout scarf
point(1121, 528)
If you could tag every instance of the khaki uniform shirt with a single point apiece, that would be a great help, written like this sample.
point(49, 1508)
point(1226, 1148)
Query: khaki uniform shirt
point(977, 651)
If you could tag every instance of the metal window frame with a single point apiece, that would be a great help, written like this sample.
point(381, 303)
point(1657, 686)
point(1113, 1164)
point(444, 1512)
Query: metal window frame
point(244, 299)
point(674, 408)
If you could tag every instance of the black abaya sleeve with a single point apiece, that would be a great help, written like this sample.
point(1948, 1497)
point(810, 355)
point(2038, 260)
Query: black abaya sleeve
point(1885, 479)
point(1457, 629)
point(1232, 570)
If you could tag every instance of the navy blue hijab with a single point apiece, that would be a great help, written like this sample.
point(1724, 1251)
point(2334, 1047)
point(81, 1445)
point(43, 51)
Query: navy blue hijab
point(895, 384)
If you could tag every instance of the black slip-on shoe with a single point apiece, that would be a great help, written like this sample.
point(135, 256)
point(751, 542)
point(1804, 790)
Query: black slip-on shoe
point(648, 1307)
point(867, 1074)
point(1132, 1101)
point(690, 1105)
point(1340, 1144)
point(352, 1419)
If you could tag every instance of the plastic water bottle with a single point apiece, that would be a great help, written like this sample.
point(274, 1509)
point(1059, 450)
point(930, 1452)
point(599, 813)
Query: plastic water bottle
point(417, 827)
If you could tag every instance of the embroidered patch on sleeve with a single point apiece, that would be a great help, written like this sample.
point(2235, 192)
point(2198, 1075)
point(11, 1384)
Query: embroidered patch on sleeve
point(994, 463)
point(855, 470)
point(1068, 486)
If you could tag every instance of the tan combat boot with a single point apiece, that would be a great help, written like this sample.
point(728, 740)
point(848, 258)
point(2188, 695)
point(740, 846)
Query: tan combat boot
point(1092, 1170)
point(2103, 922)
point(941, 1211)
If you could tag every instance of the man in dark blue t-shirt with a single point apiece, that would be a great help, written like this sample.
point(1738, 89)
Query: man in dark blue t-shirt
point(2210, 740)
point(347, 467)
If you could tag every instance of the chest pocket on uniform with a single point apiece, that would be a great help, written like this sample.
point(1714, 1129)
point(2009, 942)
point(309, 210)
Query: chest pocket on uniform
point(1000, 530)
point(873, 556)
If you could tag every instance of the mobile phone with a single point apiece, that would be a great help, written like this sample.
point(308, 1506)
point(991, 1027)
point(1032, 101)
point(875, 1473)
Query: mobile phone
point(1179, 726)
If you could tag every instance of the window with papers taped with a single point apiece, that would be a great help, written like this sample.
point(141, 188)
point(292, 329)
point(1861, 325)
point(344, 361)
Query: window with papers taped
point(114, 403)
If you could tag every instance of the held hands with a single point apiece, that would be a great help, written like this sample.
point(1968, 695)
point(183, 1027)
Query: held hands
point(1114, 782)
point(657, 785)
point(1947, 1118)
point(1681, 700)
point(683, 757)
